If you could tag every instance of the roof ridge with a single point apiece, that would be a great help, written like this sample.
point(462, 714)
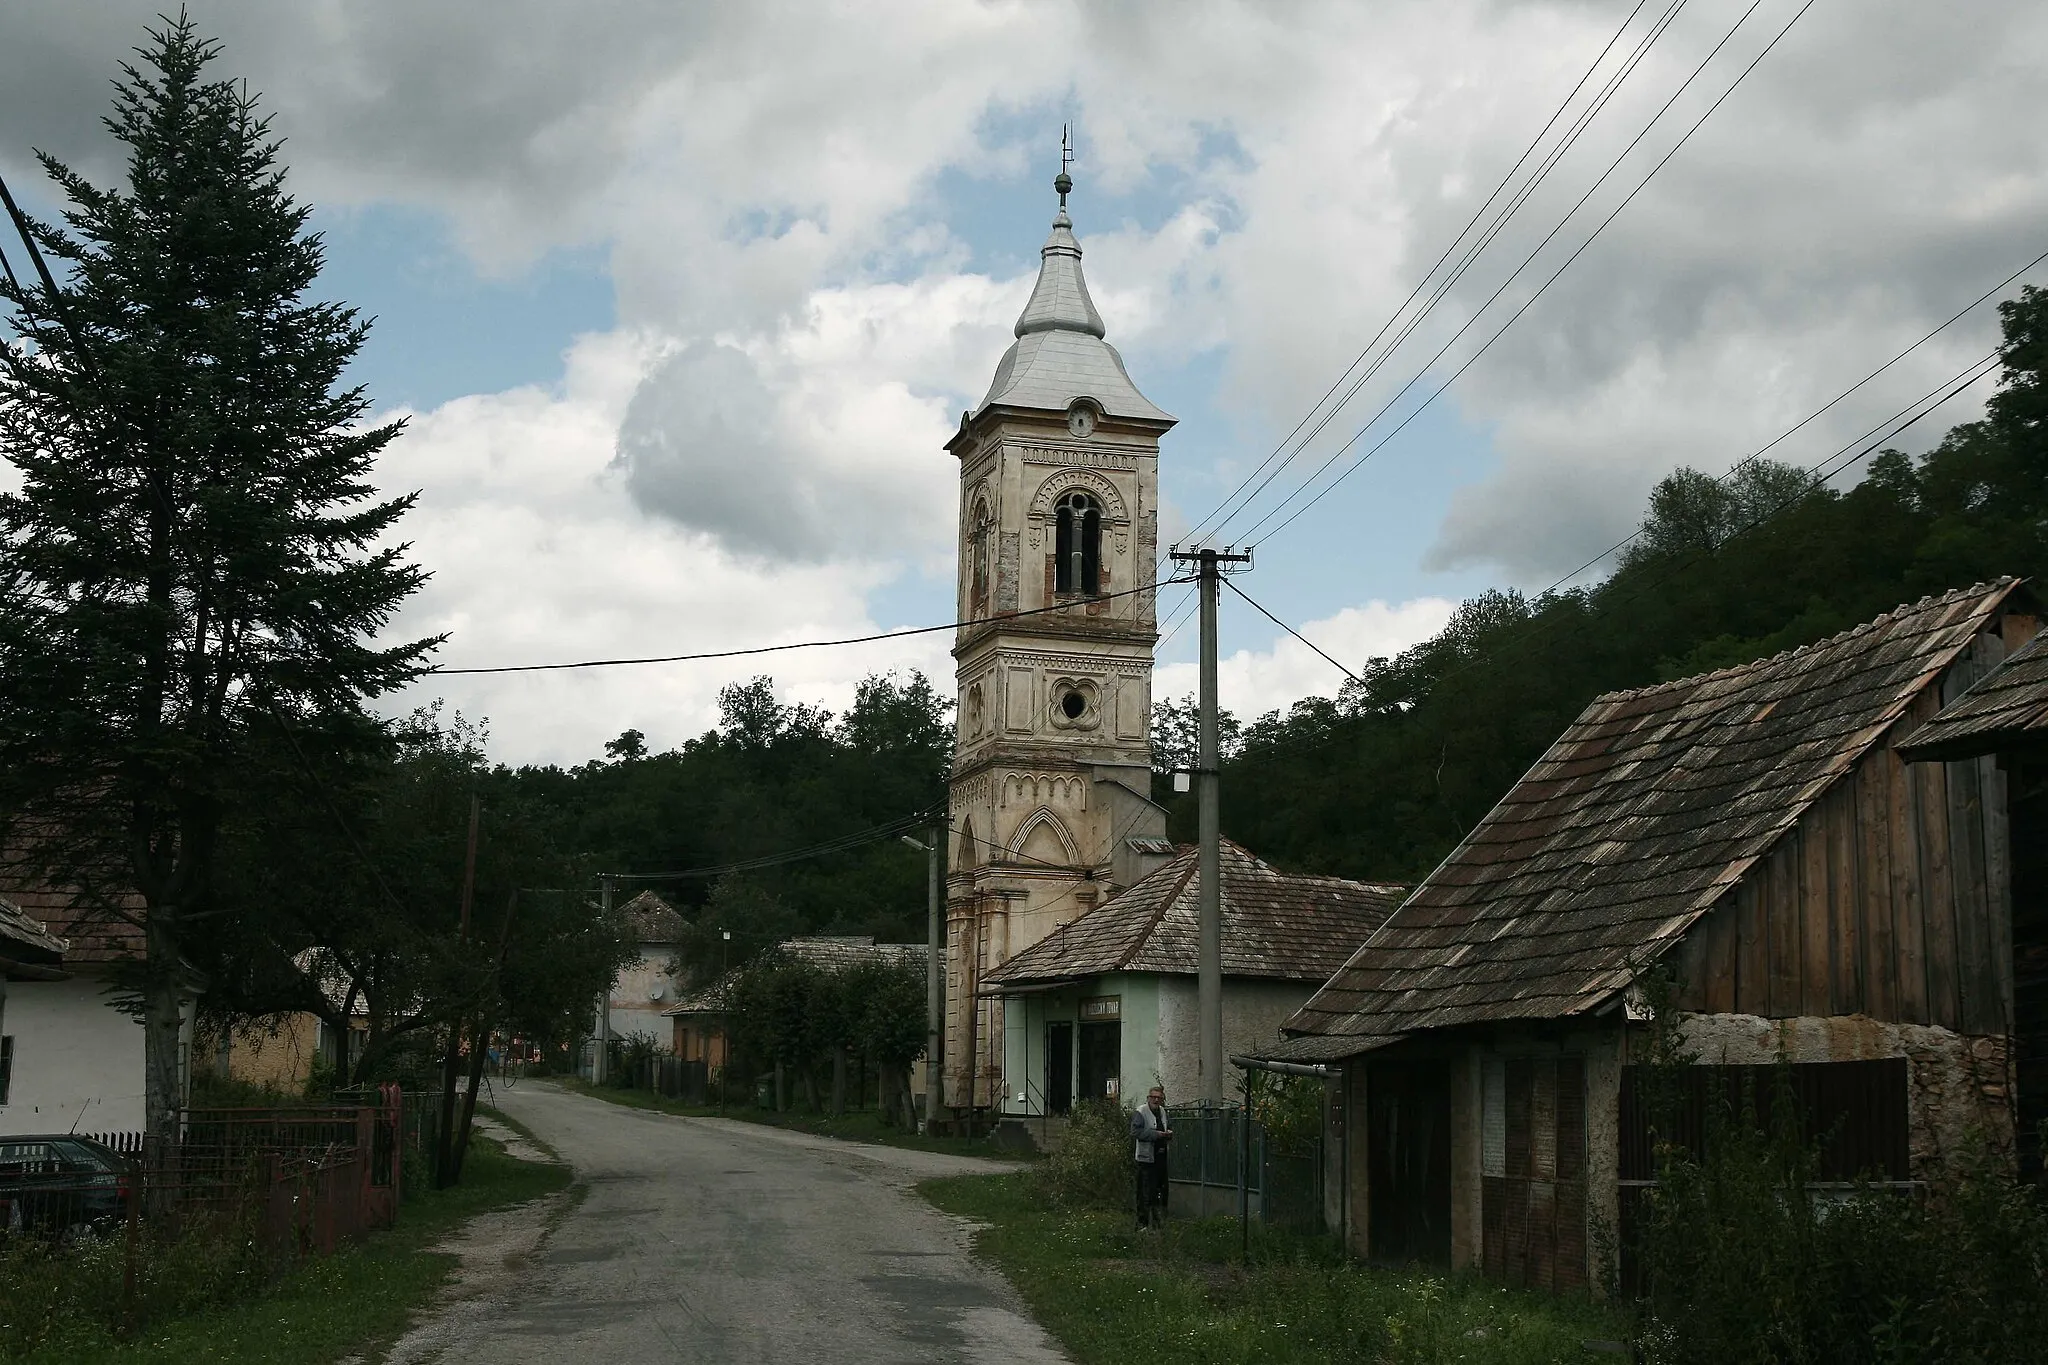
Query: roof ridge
point(1166, 903)
point(1978, 589)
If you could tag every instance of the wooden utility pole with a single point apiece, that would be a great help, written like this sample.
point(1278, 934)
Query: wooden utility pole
point(1211, 565)
point(600, 1061)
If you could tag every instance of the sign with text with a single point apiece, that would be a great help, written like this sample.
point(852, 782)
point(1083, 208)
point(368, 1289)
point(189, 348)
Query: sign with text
point(1102, 1007)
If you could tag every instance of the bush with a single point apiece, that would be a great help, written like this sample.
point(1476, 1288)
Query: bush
point(1091, 1167)
point(52, 1293)
point(1744, 1262)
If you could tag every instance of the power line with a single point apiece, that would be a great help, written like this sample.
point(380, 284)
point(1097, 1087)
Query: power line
point(1295, 633)
point(814, 644)
point(843, 843)
point(1520, 197)
point(1782, 436)
point(1540, 290)
point(1392, 318)
point(1818, 474)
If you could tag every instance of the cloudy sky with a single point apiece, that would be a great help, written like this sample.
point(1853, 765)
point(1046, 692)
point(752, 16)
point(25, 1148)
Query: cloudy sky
point(682, 301)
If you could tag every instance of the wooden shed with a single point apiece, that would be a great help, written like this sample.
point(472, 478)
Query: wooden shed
point(1755, 830)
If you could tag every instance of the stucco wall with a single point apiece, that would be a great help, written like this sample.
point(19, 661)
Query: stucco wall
point(633, 1009)
point(1252, 1014)
point(77, 1060)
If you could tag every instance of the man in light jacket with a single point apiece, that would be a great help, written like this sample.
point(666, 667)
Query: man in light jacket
point(1149, 1136)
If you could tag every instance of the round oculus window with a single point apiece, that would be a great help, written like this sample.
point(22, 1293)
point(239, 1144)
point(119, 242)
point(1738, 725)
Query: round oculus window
point(1072, 705)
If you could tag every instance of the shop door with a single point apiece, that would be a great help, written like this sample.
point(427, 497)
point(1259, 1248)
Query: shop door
point(1059, 1067)
point(1102, 1054)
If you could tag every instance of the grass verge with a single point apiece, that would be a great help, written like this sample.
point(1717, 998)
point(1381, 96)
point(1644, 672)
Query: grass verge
point(1116, 1296)
point(355, 1301)
point(861, 1125)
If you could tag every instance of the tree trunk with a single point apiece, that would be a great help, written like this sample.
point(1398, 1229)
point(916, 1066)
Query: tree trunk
point(838, 1081)
point(809, 1076)
point(781, 1089)
point(161, 1019)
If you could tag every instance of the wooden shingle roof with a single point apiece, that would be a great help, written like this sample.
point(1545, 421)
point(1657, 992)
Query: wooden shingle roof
point(26, 939)
point(652, 920)
point(1275, 924)
point(2004, 709)
point(1649, 807)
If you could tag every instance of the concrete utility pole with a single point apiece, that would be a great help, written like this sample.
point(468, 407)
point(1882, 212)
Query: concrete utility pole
point(600, 1058)
point(935, 966)
point(1211, 566)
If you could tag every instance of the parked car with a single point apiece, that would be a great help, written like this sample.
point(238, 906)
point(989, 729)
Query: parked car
point(61, 1185)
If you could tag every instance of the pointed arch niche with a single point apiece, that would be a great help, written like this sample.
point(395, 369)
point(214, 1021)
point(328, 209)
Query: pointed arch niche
point(1043, 839)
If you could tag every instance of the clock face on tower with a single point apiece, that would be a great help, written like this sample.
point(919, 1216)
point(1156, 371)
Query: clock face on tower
point(1081, 420)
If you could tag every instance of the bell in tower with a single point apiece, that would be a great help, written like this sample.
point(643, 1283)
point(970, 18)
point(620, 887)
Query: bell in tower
point(1050, 794)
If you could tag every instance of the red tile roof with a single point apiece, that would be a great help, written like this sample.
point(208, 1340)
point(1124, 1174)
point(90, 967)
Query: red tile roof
point(95, 935)
point(1642, 814)
point(1275, 924)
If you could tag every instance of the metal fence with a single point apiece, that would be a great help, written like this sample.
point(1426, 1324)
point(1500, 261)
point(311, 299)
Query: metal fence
point(1221, 1162)
point(302, 1179)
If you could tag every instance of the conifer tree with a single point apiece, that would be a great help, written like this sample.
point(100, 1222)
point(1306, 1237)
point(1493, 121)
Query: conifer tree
point(195, 565)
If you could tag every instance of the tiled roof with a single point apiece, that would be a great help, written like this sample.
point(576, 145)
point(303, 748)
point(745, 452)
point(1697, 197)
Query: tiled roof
point(1642, 814)
point(93, 935)
point(25, 939)
point(831, 952)
point(650, 919)
point(2002, 709)
point(1275, 924)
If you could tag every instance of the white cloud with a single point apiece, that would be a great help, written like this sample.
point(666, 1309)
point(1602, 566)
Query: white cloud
point(539, 555)
point(1250, 683)
point(765, 178)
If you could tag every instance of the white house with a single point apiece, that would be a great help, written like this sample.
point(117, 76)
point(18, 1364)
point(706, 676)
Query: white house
point(643, 990)
point(74, 1058)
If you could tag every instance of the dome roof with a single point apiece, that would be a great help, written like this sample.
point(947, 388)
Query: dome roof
point(1060, 354)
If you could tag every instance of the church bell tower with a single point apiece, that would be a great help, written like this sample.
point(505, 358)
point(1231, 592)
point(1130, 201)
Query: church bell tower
point(1059, 519)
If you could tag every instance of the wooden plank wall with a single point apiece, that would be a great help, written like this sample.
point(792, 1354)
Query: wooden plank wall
point(1891, 897)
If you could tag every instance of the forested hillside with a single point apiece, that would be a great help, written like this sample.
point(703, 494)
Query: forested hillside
point(1383, 780)
point(769, 779)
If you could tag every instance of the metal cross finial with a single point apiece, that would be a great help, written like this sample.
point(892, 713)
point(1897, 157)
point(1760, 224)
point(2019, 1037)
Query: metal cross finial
point(1063, 182)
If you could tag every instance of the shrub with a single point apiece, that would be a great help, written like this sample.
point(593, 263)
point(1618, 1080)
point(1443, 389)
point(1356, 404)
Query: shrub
point(51, 1292)
point(1091, 1167)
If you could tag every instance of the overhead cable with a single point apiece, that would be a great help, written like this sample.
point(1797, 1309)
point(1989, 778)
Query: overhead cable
point(1528, 303)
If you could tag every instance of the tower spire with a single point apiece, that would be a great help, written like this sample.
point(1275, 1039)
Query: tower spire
point(1063, 182)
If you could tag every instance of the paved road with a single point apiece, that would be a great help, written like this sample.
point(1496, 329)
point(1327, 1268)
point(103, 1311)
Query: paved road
point(707, 1240)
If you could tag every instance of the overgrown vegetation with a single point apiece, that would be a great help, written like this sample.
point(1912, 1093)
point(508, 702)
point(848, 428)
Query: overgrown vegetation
point(1091, 1166)
point(1744, 1262)
point(209, 1295)
point(1116, 1296)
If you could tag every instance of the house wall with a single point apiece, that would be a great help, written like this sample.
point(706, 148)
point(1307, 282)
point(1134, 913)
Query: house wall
point(1958, 1087)
point(634, 1006)
point(78, 1062)
point(1891, 898)
point(1160, 1034)
point(277, 1053)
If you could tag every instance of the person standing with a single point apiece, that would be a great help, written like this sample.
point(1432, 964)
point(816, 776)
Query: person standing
point(1149, 1138)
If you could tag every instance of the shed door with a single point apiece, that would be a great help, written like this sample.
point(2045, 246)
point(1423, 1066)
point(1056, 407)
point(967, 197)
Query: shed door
point(1408, 1123)
point(1533, 1170)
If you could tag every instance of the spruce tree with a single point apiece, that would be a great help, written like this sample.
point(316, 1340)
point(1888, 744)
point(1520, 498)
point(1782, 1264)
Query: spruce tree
point(195, 565)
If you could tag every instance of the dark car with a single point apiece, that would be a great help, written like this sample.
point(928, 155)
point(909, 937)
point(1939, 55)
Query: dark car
point(60, 1185)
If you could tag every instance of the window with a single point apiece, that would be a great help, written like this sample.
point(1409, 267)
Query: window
point(980, 534)
point(1077, 546)
point(6, 1066)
